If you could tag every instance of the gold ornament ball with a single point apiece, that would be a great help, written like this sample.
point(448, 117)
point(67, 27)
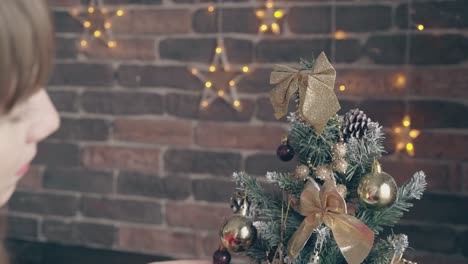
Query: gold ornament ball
point(339, 150)
point(377, 189)
point(342, 190)
point(238, 234)
point(340, 165)
point(301, 172)
point(323, 172)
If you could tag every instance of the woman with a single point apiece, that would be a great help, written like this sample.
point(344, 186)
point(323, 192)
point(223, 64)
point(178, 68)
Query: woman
point(27, 115)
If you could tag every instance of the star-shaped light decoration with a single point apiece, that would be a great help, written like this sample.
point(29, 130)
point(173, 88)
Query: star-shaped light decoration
point(405, 136)
point(269, 18)
point(97, 25)
point(220, 79)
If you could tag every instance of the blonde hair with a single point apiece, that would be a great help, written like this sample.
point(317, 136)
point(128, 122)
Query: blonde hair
point(26, 49)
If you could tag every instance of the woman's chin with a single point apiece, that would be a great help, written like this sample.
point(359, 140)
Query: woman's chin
point(6, 194)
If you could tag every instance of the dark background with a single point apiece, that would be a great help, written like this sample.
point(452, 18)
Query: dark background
point(136, 167)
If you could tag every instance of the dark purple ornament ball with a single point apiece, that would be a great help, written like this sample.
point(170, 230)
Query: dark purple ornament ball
point(221, 256)
point(285, 152)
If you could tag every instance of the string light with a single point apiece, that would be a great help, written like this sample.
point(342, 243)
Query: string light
point(194, 71)
point(269, 18)
point(211, 9)
point(221, 93)
point(212, 68)
point(405, 136)
point(219, 50)
point(342, 87)
point(112, 44)
point(245, 69)
point(87, 24)
point(420, 27)
point(237, 104)
point(340, 34)
point(400, 80)
point(208, 84)
point(97, 33)
point(204, 104)
point(232, 83)
point(96, 21)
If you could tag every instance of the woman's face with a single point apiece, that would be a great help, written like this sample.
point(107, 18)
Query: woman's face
point(28, 123)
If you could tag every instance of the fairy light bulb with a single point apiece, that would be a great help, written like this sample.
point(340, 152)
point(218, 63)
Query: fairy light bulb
point(90, 9)
point(269, 4)
point(263, 28)
point(111, 44)
point(212, 68)
point(232, 83)
point(208, 84)
point(342, 88)
point(245, 69)
point(211, 9)
point(406, 121)
point(220, 93)
point(414, 133)
point(420, 27)
point(278, 14)
point(120, 12)
point(219, 50)
point(204, 104)
point(84, 43)
point(194, 71)
point(260, 13)
point(275, 28)
point(340, 34)
point(108, 25)
point(97, 33)
point(87, 24)
point(236, 104)
point(400, 80)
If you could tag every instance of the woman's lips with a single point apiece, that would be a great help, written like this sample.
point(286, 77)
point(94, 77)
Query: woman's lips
point(23, 170)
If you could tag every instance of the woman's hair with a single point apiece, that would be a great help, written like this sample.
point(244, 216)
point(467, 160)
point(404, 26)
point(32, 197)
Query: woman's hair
point(26, 50)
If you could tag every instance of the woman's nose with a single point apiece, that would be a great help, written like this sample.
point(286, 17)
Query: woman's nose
point(46, 118)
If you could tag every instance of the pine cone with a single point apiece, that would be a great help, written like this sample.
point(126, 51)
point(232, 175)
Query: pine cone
point(355, 124)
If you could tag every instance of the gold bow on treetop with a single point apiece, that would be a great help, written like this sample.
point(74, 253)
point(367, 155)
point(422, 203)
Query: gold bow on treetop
point(317, 99)
point(326, 206)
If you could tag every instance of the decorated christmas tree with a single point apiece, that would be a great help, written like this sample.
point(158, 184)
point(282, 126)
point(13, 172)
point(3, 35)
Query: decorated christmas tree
point(336, 205)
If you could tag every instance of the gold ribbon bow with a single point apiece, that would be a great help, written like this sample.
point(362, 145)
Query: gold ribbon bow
point(317, 99)
point(325, 205)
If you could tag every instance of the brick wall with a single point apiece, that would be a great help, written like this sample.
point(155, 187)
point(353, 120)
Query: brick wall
point(137, 167)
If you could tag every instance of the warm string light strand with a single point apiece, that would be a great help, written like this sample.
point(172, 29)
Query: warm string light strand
point(270, 18)
point(220, 79)
point(97, 23)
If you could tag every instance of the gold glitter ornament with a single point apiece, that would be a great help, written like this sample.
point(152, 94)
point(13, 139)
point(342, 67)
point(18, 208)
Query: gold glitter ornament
point(339, 150)
point(324, 172)
point(238, 233)
point(377, 189)
point(340, 165)
point(342, 190)
point(301, 172)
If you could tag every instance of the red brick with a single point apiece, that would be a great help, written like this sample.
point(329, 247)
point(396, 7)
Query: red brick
point(237, 136)
point(167, 21)
point(83, 233)
point(83, 129)
point(122, 103)
point(436, 82)
point(64, 3)
point(66, 48)
point(369, 82)
point(291, 50)
point(158, 76)
point(195, 161)
point(78, 180)
point(208, 243)
point(301, 18)
point(196, 216)
point(160, 241)
point(20, 227)
point(442, 146)
point(441, 176)
point(465, 176)
point(44, 203)
point(238, 20)
point(135, 159)
point(82, 74)
point(126, 49)
point(171, 187)
point(33, 179)
point(57, 154)
point(166, 132)
point(64, 101)
point(366, 18)
point(188, 106)
point(122, 210)
point(219, 190)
